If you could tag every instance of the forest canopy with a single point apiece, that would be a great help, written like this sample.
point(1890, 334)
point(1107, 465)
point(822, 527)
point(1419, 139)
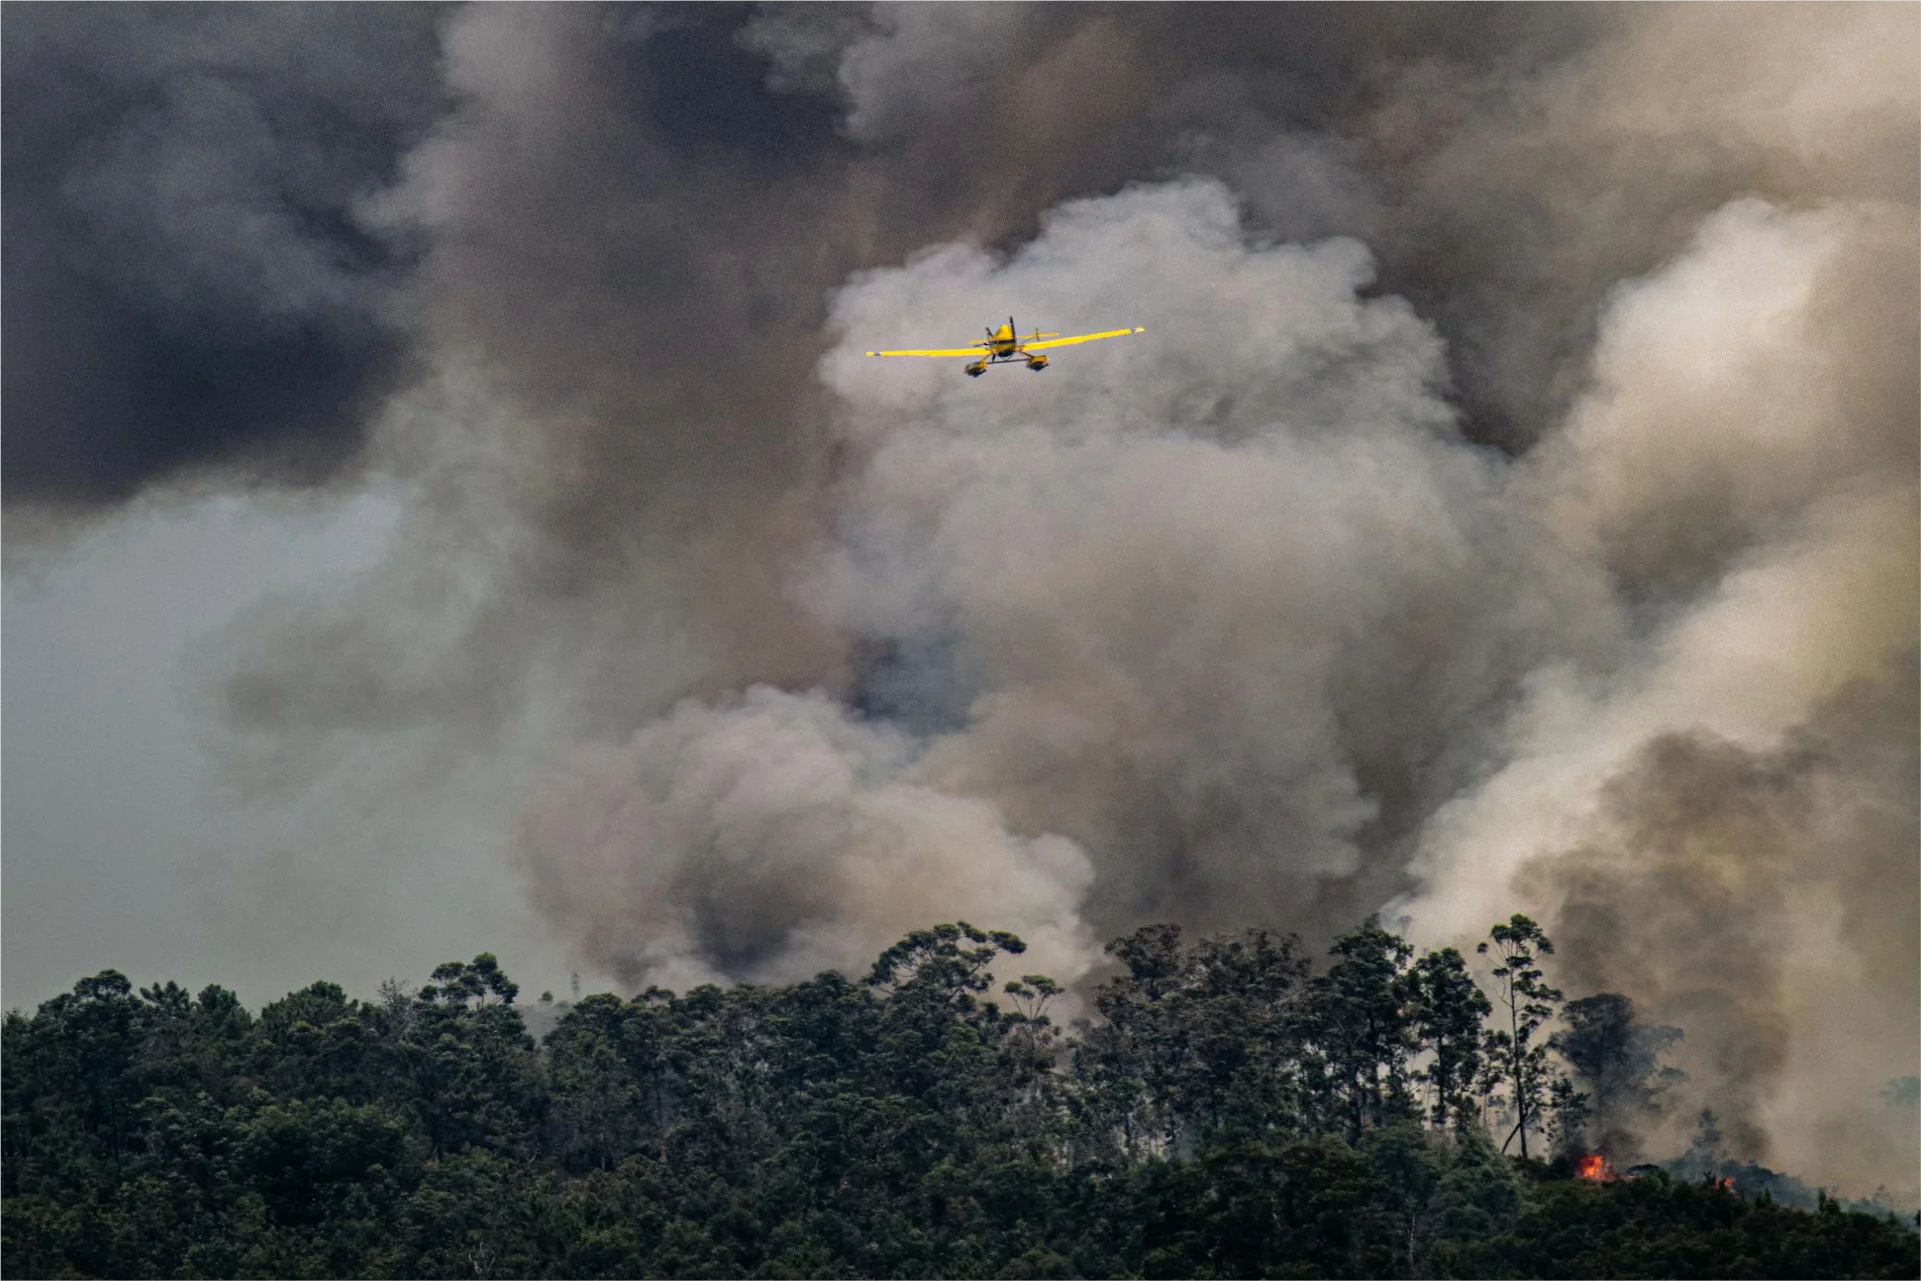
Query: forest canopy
point(1228, 1108)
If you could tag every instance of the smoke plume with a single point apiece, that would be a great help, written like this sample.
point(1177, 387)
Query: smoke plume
point(773, 835)
point(1510, 506)
point(187, 285)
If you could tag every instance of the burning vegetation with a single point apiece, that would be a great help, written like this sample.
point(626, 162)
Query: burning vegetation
point(1594, 1167)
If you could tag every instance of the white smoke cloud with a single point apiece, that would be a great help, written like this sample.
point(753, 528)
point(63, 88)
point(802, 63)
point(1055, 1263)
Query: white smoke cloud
point(1162, 566)
point(772, 836)
point(1726, 392)
point(918, 63)
point(1170, 592)
point(1717, 439)
point(1742, 471)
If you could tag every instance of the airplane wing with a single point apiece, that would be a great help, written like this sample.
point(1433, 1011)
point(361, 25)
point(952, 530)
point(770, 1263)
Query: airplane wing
point(932, 351)
point(1064, 342)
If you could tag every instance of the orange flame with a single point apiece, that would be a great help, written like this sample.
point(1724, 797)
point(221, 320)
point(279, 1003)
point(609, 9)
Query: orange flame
point(1592, 1166)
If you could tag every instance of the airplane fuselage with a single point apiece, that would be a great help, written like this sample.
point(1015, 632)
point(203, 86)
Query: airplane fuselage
point(1003, 343)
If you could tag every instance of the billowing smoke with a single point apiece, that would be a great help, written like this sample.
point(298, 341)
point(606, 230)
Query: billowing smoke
point(774, 835)
point(1216, 601)
point(1734, 807)
point(1723, 824)
point(1144, 604)
point(1510, 506)
point(187, 285)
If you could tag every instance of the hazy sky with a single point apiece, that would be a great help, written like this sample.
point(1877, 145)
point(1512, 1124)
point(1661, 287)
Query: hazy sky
point(123, 847)
point(447, 507)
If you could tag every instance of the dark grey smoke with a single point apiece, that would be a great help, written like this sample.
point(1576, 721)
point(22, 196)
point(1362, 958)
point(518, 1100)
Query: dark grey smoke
point(1328, 118)
point(187, 284)
point(1616, 1061)
point(192, 283)
point(634, 219)
point(1702, 901)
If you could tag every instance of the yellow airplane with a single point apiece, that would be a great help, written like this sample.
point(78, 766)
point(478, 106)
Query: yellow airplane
point(1005, 344)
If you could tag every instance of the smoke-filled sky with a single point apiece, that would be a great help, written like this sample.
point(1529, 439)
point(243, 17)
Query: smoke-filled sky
point(448, 509)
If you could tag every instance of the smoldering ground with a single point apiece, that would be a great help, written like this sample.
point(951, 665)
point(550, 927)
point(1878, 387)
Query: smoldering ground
point(1526, 422)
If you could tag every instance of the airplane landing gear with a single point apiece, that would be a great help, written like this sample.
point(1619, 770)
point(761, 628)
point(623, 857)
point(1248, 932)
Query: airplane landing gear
point(1037, 363)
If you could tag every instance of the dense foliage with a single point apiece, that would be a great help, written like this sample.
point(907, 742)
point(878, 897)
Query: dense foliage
point(1229, 1112)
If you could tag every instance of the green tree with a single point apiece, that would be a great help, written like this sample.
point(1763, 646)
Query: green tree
point(1567, 1110)
point(1363, 1028)
point(906, 1126)
point(1410, 1164)
point(1448, 1012)
point(1617, 1059)
point(1516, 1059)
point(1198, 1042)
